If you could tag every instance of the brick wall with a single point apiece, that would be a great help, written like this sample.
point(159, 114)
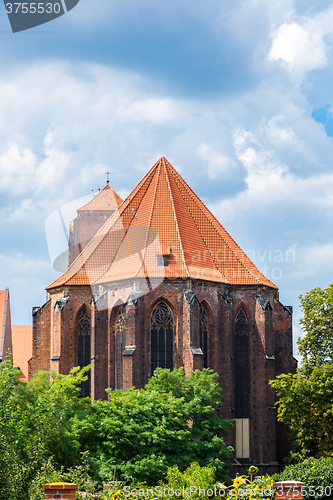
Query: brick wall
point(41, 325)
point(82, 230)
point(60, 491)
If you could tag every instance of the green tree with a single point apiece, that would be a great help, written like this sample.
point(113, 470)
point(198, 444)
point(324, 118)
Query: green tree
point(305, 401)
point(142, 432)
point(316, 347)
point(35, 423)
point(305, 404)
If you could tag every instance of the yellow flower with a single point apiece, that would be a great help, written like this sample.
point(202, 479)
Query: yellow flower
point(116, 495)
point(237, 482)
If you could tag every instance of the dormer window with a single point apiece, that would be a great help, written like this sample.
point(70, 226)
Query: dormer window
point(163, 260)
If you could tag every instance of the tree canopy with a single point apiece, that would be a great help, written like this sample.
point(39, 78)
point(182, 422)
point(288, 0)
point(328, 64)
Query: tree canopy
point(305, 399)
point(316, 347)
point(175, 419)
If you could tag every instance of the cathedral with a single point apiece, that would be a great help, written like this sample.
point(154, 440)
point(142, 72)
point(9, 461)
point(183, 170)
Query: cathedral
point(156, 281)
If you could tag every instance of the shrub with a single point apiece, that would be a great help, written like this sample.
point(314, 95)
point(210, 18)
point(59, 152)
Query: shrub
point(316, 474)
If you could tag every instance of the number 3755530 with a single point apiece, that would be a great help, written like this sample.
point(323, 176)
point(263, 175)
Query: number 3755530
point(32, 8)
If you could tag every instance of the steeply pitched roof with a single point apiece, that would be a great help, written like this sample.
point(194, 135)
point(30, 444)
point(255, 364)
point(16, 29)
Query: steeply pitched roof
point(106, 199)
point(22, 348)
point(5, 325)
point(162, 216)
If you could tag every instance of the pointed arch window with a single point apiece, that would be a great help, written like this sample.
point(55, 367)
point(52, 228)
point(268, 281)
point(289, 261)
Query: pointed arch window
point(162, 328)
point(242, 365)
point(119, 328)
point(84, 347)
point(204, 334)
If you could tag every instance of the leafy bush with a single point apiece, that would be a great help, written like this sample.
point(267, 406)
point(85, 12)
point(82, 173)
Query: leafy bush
point(198, 483)
point(316, 474)
point(174, 420)
point(76, 475)
point(45, 426)
point(35, 424)
point(194, 477)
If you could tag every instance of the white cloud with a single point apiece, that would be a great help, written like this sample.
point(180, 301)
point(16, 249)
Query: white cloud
point(270, 185)
point(60, 127)
point(299, 48)
point(300, 45)
point(17, 168)
point(280, 134)
point(216, 162)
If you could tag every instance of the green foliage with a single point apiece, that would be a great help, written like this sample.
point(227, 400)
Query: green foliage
point(45, 426)
point(306, 405)
point(316, 347)
point(305, 401)
point(14, 470)
point(76, 475)
point(174, 420)
point(198, 483)
point(316, 474)
point(34, 425)
point(194, 477)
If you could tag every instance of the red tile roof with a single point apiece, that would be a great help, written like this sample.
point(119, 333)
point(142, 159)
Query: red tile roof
point(5, 325)
point(2, 306)
point(22, 348)
point(106, 200)
point(162, 216)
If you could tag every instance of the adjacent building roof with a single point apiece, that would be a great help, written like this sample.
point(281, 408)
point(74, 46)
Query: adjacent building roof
point(162, 229)
point(5, 325)
point(106, 200)
point(22, 348)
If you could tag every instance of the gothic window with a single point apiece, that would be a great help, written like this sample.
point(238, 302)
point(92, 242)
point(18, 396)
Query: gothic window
point(242, 365)
point(204, 334)
point(119, 343)
point(162, 327)
point(84, 347)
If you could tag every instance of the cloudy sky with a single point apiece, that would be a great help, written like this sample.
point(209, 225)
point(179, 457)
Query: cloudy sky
point(237, 95)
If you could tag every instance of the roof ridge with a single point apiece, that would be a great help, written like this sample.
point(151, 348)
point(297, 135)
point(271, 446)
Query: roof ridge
point(217, 226)
point(97, 196)
point(176, 220)
point(149, 224)
point(119, 213)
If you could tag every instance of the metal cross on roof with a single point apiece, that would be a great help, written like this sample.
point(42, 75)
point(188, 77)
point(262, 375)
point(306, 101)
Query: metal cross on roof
point(107, 177)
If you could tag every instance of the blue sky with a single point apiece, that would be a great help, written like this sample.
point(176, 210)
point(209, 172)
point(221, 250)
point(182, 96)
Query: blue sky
point(237, 95)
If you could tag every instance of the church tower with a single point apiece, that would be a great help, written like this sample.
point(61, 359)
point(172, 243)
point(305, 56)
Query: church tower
point(163, 284)
point(90, 218)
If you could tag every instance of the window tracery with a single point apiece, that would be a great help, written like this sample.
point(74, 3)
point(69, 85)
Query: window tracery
point(204, 334)
point(242, 365)
point(84, 347)
point(162, 327)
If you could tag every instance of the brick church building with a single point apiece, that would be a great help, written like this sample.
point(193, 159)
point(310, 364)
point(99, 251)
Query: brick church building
point(155, 280)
